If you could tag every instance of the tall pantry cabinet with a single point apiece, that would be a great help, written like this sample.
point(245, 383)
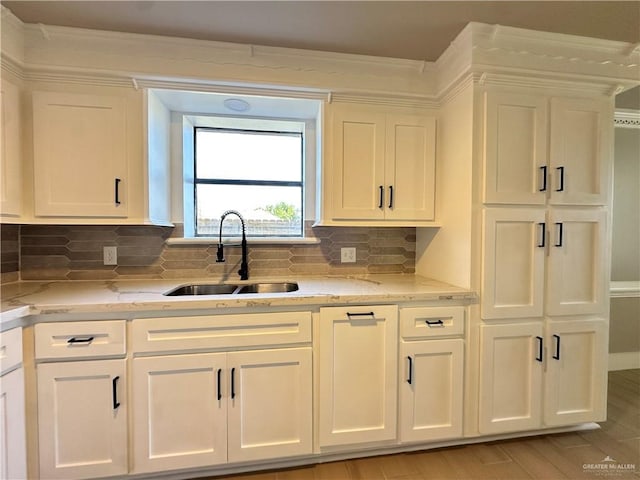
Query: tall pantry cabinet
point(546, 167)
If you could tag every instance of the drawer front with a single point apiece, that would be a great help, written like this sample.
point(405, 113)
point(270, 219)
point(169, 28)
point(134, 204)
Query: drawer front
point(425, 322)
point(80, 339)
point(220, 331)
point(10, 349)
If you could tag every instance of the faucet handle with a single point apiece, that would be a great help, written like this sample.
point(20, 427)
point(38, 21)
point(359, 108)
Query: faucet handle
point(220, 254)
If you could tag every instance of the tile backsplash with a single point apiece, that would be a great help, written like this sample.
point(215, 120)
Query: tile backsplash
point(75, 252)
point(9, 253)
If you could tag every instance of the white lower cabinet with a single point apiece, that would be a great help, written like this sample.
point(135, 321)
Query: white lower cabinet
point(431, 384)
point(533, 377)
point(207, 409)
point(358, 348)
point(82, 419)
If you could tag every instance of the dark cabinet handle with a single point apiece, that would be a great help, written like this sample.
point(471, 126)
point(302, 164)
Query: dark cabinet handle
point(556, 355)
point(219, 384)
point(117, 191)
point(409, 380)
point(544, 178)
point(381, 204)
point(390, 196)
point(560, 229)
point(561, 183)
point(543, 234)
point(363, 314)
point(73, 340)
point(114, 390)
point(539, 355)
point(435, 323)
point(233, 383)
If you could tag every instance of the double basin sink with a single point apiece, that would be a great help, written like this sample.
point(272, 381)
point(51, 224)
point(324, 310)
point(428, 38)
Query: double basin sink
point(227, 289)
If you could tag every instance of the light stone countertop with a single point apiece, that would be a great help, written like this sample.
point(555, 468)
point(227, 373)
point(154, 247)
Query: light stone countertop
point(28, 298)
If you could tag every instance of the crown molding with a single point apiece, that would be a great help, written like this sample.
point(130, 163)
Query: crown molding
point(624, 118)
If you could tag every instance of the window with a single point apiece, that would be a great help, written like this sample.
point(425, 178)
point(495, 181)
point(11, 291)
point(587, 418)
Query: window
point(257, 172)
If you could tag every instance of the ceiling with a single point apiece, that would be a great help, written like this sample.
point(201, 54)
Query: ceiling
point(418, 30)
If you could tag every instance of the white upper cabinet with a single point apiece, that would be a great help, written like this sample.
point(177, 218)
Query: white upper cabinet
point(382, 166)
point(10, 152)
point(80, 155)
point(539, 148)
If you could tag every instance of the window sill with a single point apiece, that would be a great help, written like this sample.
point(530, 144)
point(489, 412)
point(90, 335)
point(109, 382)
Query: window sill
point(236, 241)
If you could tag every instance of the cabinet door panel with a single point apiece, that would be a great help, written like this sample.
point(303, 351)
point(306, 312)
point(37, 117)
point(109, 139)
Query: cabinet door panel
point(515, 148)
point(510, 377)
point(10, 151)
point(358, 375)
point(181, 416)
point(513, 270)
point(431, 405)
point(79, 152)
point(13, 447)
point(576, 269)
point(358, 164)
point(576, 377)
point(410, 167)
point(271, 414)
point(580, 151)
point(81, 434)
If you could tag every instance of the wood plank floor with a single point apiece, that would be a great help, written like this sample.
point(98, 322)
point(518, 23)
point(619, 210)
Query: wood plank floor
point(545, 457)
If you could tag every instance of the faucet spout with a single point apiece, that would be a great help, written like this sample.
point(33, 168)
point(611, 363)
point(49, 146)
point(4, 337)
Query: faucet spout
point(244, 265)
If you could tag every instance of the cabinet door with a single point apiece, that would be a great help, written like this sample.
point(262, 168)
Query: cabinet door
point(270, 405)
point(82, 419)
point(511, 361)
point(80, 164)
point(358, 374)
point(358, 151)
point(10, 151)
point(513, 253)
point(515, 161)
point(577, 274)
point(13, 447)
point(580, 151)
point(179, 411)
point(576, 377)
point(410, 167)
point(431, 376)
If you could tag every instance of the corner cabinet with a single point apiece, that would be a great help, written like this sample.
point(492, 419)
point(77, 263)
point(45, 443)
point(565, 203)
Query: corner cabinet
point(380, 166)
point(358, 348)
point(11, 158)
point(81, 164)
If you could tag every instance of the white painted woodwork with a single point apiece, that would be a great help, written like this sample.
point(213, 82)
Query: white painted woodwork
point(515, 155)
point(99, 338)
point(167, 334)
point(430, 406)
point(410, 167)
point(358, 164)
point(382, 164)
point(11, 158)
point(271, 414)
point(79, 148)
point(358, 357)
point(512, 263)
point(580, 142)
point(510, 396)
point(430, 322)
point(10, 349)
point(575, 388)
point(13, 448)
point(577, 270)
point(80, 433)
point(179, 421)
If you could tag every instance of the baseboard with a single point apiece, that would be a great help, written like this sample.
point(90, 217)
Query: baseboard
point(624, 361)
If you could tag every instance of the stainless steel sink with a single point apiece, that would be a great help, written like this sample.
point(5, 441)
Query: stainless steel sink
point(202, 289)
point(281, 287)
point(226, 289)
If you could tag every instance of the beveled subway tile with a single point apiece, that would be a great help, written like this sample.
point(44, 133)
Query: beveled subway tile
point(183, 274)
point(308, 259)
point(348, 269)
point(44, 230)
point(309, 269)
point(386, 259)
point(153, 242)
point(89, 265)
point(390, 268)
point(43, 273)
point(43, 250)
point(151, 270)
point(93, 234)
point(9, 277)
point(43, 261)
point(85, 246)
point(183, 264)
point(143, 231)
point(9, 266)
point(92, 275)
point(44, 240)
point(266, 264)
point(269, 272)
point(350, 238)
point(138, 260)
point(381, 250)
point(282, 255)
point(184, 253)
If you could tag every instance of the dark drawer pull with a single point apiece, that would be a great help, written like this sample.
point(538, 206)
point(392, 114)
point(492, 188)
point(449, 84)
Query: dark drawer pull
point(543, 234)
point(559, 228)
point(539, 355)
point(390, 196)
point(363, 314)
point(556, 355)
point(73, 340)
point(117, 191)
point(409, 380)
point(543, 174)
point(381, 203)
point(561, 181)
point(114, 388)
point(435, 323)
point(233, 383)
point(219, 384)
